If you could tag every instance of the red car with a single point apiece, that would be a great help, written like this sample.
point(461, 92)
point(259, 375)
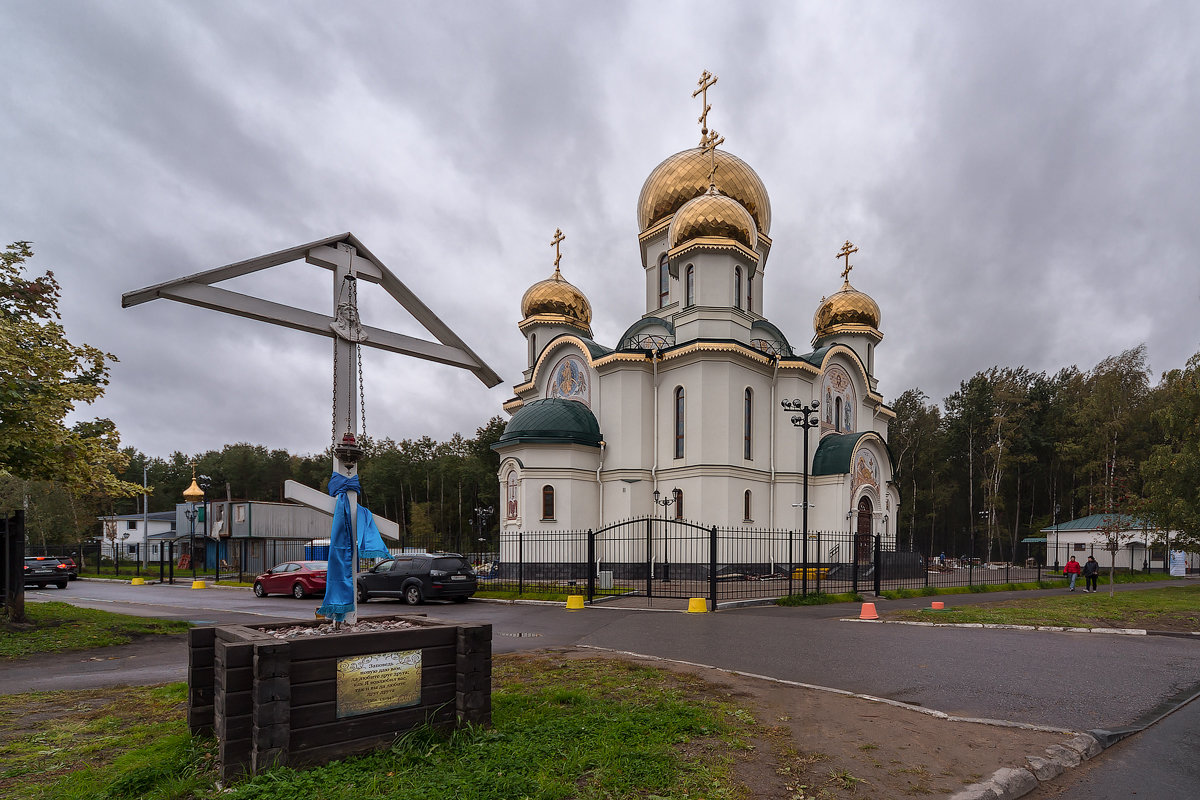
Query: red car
point(297, 578)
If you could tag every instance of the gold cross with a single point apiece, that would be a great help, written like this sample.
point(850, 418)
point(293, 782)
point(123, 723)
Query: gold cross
point(708, 143)
point(707, 79)
point(847, 249)
point(558, 238)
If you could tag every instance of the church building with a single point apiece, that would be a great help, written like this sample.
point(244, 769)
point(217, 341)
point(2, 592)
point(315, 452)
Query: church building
point(683, 413)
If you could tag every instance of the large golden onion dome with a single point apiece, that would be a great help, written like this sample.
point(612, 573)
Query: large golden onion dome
point(684, 176)
point(845, 307)
point(712, 215)
point(556, 298)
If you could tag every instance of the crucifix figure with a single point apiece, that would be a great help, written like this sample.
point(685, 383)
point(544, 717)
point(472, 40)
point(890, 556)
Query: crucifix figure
point(845, 252)
point(707, 79)
point(555, 242)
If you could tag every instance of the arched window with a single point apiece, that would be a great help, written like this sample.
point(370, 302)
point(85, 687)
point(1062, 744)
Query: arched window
point(691, 285)
point(748, 425)
point(750, 293)
point(513, 506)
point(532, 348)
point(746, 507)
point(737, 287)
point(678, 496)
point(837, 414)
point(664, 281)
point(679, 422)
point(547, 502)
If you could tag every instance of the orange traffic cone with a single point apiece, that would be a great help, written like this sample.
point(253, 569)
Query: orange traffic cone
point(937, 605)
point(868, 611)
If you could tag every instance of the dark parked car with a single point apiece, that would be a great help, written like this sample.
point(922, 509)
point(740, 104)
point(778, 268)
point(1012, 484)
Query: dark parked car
point(297, 578)
point(417, 577)
point(72, 568)
point(44, 570)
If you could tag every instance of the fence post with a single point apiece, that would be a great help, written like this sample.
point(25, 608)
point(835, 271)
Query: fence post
point(171, 563)
point(791, 562)
point(138, 555)
point(819, 558)
point(1008, 572)
point(804, 565)
point(520, 562)
point(712, 569)
point(649, 554)
point(878, 563)
point(854, 561)
point(241, 560)
point(591, 565)
point(217, 562)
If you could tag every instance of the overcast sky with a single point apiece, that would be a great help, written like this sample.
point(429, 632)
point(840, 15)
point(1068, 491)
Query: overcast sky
point(1021, 179)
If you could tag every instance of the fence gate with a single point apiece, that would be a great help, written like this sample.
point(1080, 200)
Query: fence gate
point(653, 557)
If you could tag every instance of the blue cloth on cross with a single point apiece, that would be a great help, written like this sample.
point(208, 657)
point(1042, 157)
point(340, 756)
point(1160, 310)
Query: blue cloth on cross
point(339, 578)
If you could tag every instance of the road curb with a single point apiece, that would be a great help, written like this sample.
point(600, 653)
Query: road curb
point(1043, 628)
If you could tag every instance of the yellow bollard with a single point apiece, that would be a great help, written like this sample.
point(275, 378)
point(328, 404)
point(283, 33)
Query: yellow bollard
point(697, 605)
point(575, 602)
point(137, 582)
point(199, 585)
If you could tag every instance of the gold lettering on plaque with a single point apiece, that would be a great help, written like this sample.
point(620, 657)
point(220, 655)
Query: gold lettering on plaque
point(378, 682)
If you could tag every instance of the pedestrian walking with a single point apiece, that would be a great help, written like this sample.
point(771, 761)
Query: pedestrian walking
point(1071, 570)
point(1091, 573)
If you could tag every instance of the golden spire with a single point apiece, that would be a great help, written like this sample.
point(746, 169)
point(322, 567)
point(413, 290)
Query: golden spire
point(707, 79)
point(193, 494)
point(845, 252)
point(558, 239)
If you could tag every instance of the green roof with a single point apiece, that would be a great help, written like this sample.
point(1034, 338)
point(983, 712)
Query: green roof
point(834, 453)
point(816, 357)
point(551, 421)
point(1094, 522)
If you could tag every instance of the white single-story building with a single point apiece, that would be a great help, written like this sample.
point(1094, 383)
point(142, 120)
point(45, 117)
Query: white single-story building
point(137, 536)
point(1139, 544)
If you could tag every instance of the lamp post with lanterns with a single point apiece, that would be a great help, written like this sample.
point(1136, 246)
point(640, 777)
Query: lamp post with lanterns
point(804, 416)
point(666, 503)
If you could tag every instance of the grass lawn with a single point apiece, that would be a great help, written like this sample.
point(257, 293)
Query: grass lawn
point(59, 627)
point(588, 728)
point(1172, 608)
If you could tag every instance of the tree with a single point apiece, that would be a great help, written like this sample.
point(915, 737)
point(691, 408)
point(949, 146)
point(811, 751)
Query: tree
point(43, 377)
point(1170, 472)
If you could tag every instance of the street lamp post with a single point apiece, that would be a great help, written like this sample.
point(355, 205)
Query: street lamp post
point(192, 495)
point(805, 417)
point(482, 514)
point(665, 502)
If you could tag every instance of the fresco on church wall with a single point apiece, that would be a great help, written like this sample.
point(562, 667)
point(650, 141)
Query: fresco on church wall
point(838, 392)
point(513, 507)
point(865, 471)
point(569, 381)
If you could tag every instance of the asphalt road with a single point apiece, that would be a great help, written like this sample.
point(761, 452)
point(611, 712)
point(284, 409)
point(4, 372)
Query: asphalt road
point(1070, 680)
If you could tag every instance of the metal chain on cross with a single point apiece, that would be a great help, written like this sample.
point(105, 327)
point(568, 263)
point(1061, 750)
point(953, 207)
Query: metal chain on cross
point(348, 326)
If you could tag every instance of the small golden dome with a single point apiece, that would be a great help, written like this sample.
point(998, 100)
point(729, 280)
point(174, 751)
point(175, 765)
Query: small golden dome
point(193, 494)
point(555, 297)
point(712, 214)
point(846, 307)
point(684, 176)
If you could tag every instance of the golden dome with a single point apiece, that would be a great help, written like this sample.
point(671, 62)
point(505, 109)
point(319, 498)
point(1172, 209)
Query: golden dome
point(712, 215)
point(684, 176)
point(846, 307)
point(555, 297)
point(193, 494)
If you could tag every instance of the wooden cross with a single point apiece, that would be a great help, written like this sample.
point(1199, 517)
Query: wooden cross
point(707, 79)
point(558, 239)
point(846, 250)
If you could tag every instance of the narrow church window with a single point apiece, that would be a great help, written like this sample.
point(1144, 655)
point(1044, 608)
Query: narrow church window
point(532, 348)
point(691, 285)
point(664, 281)
point(737, 287)
point(837, 414)
point(678, 495)
point(679, 422)
point(746, 507)
point(750, 293)
point(512, 495)
point(747, 425)
point(547, 502)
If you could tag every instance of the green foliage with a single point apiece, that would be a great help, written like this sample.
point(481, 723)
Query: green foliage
point(818, 599)
point(1171, 489)
point(43, 378)
point(60, 627)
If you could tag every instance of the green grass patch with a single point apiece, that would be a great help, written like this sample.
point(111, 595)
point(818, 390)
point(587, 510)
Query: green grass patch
point(557, 594)
point(573, 728)
point(60, 627)
point(1169, 608)
point(818, 599)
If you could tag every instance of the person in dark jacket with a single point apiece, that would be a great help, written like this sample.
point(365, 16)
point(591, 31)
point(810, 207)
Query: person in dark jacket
point(1071, 570)
point(1091, 572)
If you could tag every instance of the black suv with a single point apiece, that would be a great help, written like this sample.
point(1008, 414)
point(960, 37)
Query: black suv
point(417, 577)
point(43, 570)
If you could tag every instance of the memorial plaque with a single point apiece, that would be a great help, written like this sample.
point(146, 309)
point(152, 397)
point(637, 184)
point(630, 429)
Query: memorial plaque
point(378, 682)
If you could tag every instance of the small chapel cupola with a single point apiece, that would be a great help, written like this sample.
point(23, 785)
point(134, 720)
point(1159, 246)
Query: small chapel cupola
point(848, 317)
point(552, 307)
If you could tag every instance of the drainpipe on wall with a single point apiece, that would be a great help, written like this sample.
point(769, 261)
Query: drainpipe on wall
point(600, 486)
point(654, 465)
point(771, 505)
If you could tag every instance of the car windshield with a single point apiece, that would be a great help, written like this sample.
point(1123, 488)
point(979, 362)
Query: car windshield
point(40, 560)
point(450, 564)
point(316, 566)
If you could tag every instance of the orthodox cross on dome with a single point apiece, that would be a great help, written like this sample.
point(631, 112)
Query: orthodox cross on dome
point(708, 143)
point(845, 252)
point(555, 242)
point(707, 79)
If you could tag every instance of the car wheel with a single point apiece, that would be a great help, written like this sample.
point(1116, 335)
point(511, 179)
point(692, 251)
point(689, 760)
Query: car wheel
point(61, 584)
point(462, 598)
point(298, 590)
point(259, 591)
point(412, 595)
point(363, 596)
